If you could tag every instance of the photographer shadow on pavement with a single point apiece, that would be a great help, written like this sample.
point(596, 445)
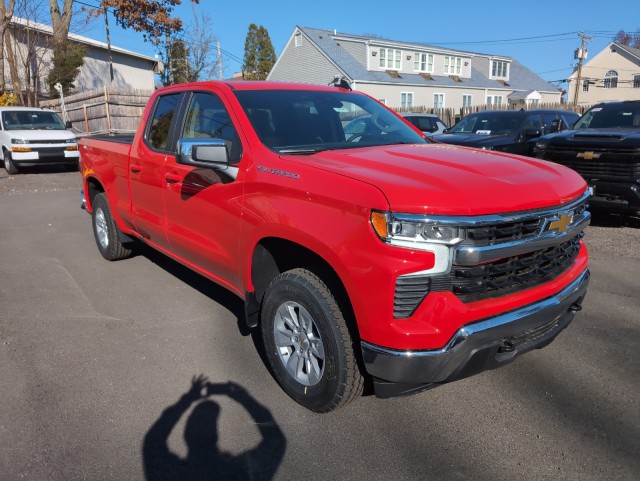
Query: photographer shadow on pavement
point(204, 460)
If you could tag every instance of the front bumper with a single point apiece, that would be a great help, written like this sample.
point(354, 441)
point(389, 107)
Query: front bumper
point(615, 196)
point(45, 156)
point(479, 346)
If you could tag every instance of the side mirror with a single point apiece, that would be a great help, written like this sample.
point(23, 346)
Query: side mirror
point(446, 131)
point(210, 153)
point(68, 124)
point(531, 133)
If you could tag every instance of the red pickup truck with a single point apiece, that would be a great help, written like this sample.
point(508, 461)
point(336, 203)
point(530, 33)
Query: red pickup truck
point(365, 253)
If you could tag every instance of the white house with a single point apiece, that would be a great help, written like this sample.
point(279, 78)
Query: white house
point(405, 75)
point(612, 74)
point(131, 70)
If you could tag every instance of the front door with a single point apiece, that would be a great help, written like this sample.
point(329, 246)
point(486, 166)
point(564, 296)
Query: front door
point(203, 204)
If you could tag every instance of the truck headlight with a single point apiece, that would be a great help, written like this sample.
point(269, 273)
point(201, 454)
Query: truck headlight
point(412, 232)
point(541, 145)
point(19, 141)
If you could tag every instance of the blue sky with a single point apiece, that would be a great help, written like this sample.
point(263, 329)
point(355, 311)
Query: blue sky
point(541, 34)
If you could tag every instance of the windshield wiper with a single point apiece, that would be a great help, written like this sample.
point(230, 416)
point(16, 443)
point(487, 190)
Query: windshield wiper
point(303, 151)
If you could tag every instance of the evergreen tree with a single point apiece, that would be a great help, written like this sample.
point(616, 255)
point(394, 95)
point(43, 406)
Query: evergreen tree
point(67, 60)
point(177, 68)
point(259, 56)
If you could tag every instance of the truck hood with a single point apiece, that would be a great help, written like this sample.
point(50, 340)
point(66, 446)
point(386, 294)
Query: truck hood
point(603, 138)
point(40, 134)
point(448, 180)
point(474, 140)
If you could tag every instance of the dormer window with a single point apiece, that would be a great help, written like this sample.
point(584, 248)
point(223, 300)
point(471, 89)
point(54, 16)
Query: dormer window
point(499, 68)
point(452, 65)
point(390, 58)
point(423, 62)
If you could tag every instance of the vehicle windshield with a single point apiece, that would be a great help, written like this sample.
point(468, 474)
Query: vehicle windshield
point(488, 123)
point(307, 121)
point(614, 116)
point(31, 120)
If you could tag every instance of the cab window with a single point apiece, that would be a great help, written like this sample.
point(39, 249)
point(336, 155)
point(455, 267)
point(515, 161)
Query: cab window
point(207, 118)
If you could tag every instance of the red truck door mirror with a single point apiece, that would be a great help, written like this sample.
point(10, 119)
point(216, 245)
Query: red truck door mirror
point(210, 153)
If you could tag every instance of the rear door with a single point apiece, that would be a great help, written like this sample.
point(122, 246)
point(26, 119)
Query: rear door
point(147, 169)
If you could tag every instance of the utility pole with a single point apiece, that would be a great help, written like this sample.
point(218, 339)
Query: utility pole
point(580, 55)
point(106, 25)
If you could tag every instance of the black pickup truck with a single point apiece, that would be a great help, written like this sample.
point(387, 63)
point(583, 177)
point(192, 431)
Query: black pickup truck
point(603, 147)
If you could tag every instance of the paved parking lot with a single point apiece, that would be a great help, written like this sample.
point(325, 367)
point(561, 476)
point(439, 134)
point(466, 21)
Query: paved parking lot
point(97, 361)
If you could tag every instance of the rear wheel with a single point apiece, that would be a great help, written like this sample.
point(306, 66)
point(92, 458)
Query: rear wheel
point(105, 231)
point(9, 166)
point(308, 344)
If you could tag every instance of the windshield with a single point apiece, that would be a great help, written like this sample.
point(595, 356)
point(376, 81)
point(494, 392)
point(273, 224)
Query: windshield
point(306, 121)
point(488, 123)
point(623, 115)
point(31, 120)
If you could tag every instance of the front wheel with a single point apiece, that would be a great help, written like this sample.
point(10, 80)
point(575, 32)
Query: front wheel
point(9, 166)
point(308, 344)
point(105, 231)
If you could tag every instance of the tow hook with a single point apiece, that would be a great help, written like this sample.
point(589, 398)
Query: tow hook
point(506, 345)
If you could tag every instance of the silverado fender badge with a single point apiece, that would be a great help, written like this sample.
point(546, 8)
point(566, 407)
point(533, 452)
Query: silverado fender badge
point(588, 155)
point(562, 223)
point(283, 173)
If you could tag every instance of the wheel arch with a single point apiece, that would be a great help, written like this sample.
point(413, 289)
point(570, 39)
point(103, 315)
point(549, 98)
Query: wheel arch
point(273, 256)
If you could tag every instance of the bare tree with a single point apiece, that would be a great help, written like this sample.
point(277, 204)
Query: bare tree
point(203, 57)
point(26, 48)
point(6, 14)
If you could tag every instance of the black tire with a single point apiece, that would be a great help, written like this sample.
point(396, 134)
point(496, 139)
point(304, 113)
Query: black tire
point(105, 231)
point(322, 354)
point(9, 166)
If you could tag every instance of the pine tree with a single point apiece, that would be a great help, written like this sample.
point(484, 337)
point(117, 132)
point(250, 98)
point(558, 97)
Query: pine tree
point(259, 56)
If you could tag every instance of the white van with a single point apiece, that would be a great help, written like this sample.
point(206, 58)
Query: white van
point(32, 136)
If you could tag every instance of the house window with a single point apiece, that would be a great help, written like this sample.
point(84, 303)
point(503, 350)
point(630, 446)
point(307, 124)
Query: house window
point(452, 65)
point(611, 79)
point(383, 101)
point(438, 101)
point(636, 81)
point(466, 100)
point(494, 99)
point(423, 62)
point(406, 100)
point(585, 85)
point(499, 68)
point(390, 58)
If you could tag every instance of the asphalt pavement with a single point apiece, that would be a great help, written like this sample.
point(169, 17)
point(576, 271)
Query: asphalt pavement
point(98, 362)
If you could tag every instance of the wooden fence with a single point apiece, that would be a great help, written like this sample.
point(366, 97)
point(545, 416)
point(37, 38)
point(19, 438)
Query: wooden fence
point(102, 111)
point(110, 111)
point(451, 116)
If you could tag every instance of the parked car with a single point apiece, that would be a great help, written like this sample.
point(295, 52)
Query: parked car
point(513, 131)
point(33, 136)
point(430, 124)
point(603, 147)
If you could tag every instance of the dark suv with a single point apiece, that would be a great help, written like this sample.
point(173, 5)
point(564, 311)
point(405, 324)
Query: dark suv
point(604, 148)
point(510, 131)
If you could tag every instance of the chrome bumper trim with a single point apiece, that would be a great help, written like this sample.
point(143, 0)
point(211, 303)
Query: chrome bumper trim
point(479, 343)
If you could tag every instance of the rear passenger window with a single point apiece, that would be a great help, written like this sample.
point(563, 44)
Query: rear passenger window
point(158, 134)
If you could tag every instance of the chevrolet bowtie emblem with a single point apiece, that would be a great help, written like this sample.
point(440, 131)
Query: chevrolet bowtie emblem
point(562, 223)
point(588, 155)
